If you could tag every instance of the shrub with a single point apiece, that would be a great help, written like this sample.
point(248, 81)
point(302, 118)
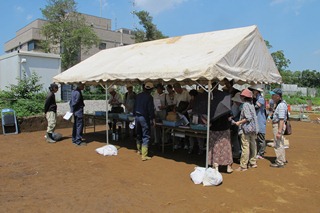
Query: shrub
point(26, 98)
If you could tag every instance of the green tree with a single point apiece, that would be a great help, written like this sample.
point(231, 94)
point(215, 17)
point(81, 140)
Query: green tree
point(281, 62)
point(26, 97)
point(150, 31)
point(66, 32)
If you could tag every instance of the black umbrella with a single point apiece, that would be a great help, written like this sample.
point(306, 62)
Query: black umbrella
point(220, 104)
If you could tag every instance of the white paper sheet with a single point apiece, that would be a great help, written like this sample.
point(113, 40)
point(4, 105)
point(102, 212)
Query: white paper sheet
point(68, 115)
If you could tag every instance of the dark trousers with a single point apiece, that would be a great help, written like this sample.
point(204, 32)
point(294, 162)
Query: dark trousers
point(143, 130)
point(261, 144)
point(77, 129)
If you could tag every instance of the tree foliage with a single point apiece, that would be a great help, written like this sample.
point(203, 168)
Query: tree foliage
point(26, 97)
point(280, 60)
point(150, 31)
point(66, 31)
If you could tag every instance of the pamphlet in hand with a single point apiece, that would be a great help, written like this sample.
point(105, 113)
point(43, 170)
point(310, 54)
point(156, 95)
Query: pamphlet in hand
point(68, 115)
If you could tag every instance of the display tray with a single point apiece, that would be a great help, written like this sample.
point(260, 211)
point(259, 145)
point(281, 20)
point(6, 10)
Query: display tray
point(198, 126)
point(126, 117)
point(172, 123)
point(100, 113)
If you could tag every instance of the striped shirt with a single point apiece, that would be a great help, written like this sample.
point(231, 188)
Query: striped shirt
point(280, 113)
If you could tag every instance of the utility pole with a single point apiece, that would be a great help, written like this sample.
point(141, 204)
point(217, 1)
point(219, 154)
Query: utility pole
point(100, 8)
point(133, 13)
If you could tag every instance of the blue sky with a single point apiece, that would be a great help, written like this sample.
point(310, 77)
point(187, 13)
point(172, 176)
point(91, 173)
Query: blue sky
point(289, 25)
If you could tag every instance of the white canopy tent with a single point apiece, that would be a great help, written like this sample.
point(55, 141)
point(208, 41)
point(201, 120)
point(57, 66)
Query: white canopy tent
point(239, 54)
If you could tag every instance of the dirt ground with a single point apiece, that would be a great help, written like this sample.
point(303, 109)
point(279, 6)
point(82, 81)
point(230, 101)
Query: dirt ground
point(39, 177)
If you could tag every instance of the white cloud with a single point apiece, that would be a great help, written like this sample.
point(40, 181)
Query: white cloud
point(275, 2)
point(29, 17)
point(19, 9)
point(104, 3)
point(317, 52)
point(157, 6)
point(291, 5)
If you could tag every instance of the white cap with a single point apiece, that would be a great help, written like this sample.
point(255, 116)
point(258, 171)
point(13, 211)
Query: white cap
point(256, 87)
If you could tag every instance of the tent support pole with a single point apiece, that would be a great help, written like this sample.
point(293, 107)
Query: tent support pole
point(208, 120)
point(107, 110)
point(107, 114)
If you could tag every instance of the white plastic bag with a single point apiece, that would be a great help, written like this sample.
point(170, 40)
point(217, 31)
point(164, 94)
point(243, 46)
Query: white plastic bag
point(107, 150)
point(212, 177)
point(197, 175)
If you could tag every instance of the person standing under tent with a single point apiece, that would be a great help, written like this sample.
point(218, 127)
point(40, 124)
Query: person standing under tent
point(170, 98)
point(228, 87)
point(248, 123)
point(145, 117)
point(198, 103)
point(129, 99)
point(128, 102)
point(76, 107)
point(259, 105)
point(159, 98)
point(235, 138)
point(115, 101)
point(220, 151)
point(182, 103)
point(278, 126)
point(50, 109)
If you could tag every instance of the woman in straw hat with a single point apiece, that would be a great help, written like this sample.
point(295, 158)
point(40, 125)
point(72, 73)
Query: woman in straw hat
point(248, 130)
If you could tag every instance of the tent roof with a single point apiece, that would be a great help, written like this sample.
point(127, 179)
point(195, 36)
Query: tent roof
point(239, 54)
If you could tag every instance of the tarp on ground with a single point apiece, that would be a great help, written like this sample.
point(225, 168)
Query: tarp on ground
point(240, 54)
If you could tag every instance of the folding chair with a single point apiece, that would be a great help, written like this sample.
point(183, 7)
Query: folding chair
point(9, 121)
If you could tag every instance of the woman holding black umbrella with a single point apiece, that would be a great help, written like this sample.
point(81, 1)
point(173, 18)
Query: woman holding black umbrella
point(220, 151)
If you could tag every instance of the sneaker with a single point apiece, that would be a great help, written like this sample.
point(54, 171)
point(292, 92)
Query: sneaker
point(145, 158)
point(286, 146)
point(49, 140)
point(254, 166)
point(240, 169)
point(259, 157)
point(229, 169)
point(81, 144)
point(275, 165)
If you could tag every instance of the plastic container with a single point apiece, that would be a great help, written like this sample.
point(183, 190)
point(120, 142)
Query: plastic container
point(172, 123)
point(126, 117)
point(198, 127)
point(100, 113)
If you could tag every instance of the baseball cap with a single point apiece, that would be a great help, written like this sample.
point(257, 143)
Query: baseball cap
point(148, 85)
point(276, 91)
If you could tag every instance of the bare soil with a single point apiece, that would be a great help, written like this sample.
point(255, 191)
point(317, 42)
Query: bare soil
point(39, 177)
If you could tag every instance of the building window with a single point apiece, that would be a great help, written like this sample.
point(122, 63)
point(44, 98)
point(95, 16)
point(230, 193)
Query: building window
point(33, 45)
point(102, 46)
